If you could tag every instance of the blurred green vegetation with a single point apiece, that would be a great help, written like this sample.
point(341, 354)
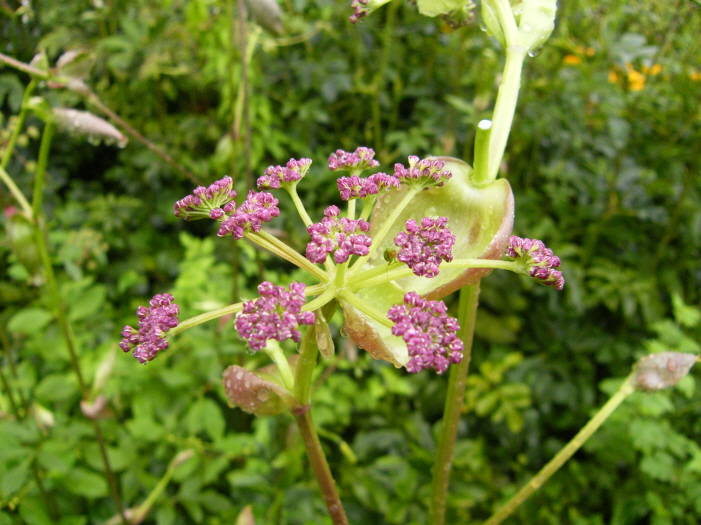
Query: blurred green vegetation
point(604, 163)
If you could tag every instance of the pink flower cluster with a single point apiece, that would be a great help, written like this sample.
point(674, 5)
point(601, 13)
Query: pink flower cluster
point(361, 159)
point(360, 10)
point(540, 260)
point(258, 208)
point(276, 314)
point(154, 322)
point(425, 173)
point(342, 237)
point(355, 187)
point(276, 176)
point(423, 248)
point(206, 202)
point(430, 335)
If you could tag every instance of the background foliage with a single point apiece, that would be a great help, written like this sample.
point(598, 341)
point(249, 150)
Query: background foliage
point(604, 163)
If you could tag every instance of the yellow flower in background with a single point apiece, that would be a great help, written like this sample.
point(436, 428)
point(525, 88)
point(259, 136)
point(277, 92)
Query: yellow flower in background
point(636, 79)
point(571, 60)
point(613, 77)
point(695, 75)
point(589, 51)
point(652, 70)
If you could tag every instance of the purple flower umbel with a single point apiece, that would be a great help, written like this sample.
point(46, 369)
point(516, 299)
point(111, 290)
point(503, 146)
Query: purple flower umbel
point(430, 335)
point(422, 173)
point(276, 314)
point(207, 202)
point(154, 322)
point(355, 187)
point(423, 248)
point(342, 237)
point(277, 176)
point(361, 159)
point(258, 208)
point(539, 259)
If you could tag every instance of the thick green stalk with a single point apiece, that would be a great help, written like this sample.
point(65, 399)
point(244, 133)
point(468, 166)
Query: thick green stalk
point(302, 391)
point(566, 453)
point(505, 108)
point(467, 312)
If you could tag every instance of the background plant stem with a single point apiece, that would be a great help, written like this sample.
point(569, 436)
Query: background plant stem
point(467, 312)
point(566, 453)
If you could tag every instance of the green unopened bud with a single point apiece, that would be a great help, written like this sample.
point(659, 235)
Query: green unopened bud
point(324, 340)
point(536, 23)
point(663, 370)
point(491, 22)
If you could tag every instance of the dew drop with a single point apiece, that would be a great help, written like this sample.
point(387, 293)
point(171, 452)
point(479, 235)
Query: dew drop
point(263, 394)
point(343, 332)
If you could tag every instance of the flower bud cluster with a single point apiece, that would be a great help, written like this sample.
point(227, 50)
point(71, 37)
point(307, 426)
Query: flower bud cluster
point(355, 187)
point(361, 159)
point(429, 333)
point(362, 8)
point(259, 207)
point(207, 202)
point(276, 176)
point(422, 173)
point(154, 322)
point(540, 260)
point(422, 248)
point(276, 314)
point(343, 237)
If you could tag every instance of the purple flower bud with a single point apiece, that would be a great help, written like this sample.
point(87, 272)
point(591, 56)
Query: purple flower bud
point(362, 8)
point(154, 322)
point(430, 335)
point(539, 260)
point(203, 200)
point(361, 159)
point(423, 248)
point(275, 315)
point(422, 173)
point(258, 208)
point(355, 187)
point(276, 176)
point(343, 237)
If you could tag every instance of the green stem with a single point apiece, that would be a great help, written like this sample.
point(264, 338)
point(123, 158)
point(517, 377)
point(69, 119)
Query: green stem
point(278, 357)
point(308, 351)
point(203, 318)
point(364, 307)
point(480, 175)
point(505, 108)
point(467, 312)
point(19, 123)
point(300, 206)
point(275, 245)
point(380, 235)
point(566, 453)
point(42, 162)
point(17, 193)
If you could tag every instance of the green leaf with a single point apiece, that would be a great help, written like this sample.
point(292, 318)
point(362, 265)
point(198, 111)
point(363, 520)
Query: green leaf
point(32, 512)
point(87, 483)
point(57, 387)
point(15, 478)
point(29, 321)
point(88, 304)
point(205, 416)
